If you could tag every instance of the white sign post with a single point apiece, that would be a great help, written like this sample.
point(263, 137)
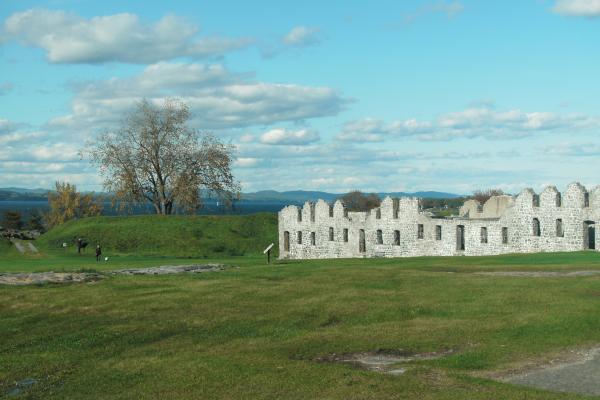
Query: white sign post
point(267, 251)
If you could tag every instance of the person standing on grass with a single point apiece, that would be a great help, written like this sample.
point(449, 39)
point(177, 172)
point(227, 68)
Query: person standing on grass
point(79, 245)
point(98, 252)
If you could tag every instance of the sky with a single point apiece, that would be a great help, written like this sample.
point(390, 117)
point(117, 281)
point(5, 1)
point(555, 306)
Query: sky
point(383, 96)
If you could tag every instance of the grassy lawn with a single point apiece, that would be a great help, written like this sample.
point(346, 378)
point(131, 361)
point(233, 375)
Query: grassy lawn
point(254, 332)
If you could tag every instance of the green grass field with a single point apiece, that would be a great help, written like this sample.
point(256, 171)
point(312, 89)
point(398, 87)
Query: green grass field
point(255, 332)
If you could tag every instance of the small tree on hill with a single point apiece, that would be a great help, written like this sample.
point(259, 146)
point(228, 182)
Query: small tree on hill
point(66, 203)
point(36, 222)
point(484, 195)
point(12, 220)
point(359, 201)
point(155, 157)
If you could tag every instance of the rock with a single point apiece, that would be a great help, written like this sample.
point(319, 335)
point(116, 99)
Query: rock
point(40, 278)
point(172, 269)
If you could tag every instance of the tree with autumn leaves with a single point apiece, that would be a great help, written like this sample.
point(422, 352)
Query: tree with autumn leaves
point(66, 203)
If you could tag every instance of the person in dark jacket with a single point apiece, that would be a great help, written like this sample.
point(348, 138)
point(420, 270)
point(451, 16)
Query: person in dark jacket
point(98, 253)
point(79, 245)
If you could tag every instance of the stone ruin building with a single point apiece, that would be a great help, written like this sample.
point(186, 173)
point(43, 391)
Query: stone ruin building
point(530, 222)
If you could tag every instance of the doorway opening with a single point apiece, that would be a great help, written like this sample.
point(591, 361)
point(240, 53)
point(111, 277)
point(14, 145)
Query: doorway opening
point(589, 235)
point(362, 245)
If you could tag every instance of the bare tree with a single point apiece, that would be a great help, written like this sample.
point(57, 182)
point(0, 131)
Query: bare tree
point(359, 201)
point(484, 195)
point(155, 157)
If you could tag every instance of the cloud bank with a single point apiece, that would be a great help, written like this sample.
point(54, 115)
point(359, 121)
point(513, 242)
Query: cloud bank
point(578, 8)
point(217, 98)
point(470, 123)
point(70, 38)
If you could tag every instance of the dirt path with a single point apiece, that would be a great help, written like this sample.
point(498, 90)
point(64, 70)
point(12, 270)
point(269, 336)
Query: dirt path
point(540, 274)
point(24, 247)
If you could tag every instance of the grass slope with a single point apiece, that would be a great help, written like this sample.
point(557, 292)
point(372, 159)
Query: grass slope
point(254, 332)
point(179, 236)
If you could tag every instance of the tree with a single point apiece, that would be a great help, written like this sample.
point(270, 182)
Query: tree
point(36, 222)
point(155, 157)
point(66, 203)
point(358, 201)
point(484, 195)
point(12, 220)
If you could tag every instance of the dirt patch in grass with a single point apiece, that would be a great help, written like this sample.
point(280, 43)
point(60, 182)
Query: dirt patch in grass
point(540, 274)
point(41, 278)
point(391, 362)
point(573, 371)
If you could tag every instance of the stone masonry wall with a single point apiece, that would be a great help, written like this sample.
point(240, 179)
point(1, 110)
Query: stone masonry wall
point(321, 230)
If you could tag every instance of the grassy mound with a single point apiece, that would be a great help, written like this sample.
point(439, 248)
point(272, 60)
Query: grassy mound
point(5, 245)
point(181, 236)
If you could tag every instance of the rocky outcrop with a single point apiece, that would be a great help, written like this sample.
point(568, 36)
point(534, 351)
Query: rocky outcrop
point(172, 269)
point(40, 278)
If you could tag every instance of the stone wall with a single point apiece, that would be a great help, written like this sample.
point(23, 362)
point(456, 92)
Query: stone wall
point(398, 228)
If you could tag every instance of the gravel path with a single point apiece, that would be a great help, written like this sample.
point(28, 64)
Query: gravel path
point(581, 376)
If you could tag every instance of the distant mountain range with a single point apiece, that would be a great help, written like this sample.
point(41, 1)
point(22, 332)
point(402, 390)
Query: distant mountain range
point(292, 197)
point(300, 196)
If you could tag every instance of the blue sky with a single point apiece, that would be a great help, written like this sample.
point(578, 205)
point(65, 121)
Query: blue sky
point(337, 95)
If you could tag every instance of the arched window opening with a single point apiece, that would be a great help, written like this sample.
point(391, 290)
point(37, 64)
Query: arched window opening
point(299, 237)
point(331, 234)
point(558, 200)
point(460, 237)
point(299, 215)
point(537, 231)
point(420, 231)
point(586, 199)
point(346, 235)
point(397, 238)
point(379, 236)
point(313, 239)
point(536, 200)
point(362, 245)
point(438, 232)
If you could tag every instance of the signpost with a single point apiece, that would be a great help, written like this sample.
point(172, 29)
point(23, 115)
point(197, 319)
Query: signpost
point(268, 252)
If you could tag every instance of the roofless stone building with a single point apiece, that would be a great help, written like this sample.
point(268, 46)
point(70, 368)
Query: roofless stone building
point(527, 223)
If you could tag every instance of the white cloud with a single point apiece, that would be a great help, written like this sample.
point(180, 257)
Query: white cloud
point(247, 162)
point(285, 137)
point(577, 8)
point(6, 126)
point(470, 123)
point(217, 98)
point(5, 88)
point(572, 150)
point(301, 36)
point(450, 9)
point(69, 38)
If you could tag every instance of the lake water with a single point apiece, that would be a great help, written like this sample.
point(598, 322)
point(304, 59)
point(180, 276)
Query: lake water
point(26, 208)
